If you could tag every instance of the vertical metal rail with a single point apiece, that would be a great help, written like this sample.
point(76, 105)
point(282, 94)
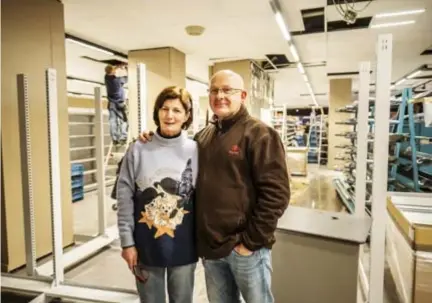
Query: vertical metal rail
point(380, 170)
point(412, 134)
point(362, 139)
point(362, 116)
point(55, 180)
point(399, 130)
point(100, 163)
point(26, 174)
point(142, 97)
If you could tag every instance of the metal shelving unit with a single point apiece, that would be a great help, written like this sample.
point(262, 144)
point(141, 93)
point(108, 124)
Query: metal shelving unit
point(285, 125)
point(318, 139)
point(83, 145)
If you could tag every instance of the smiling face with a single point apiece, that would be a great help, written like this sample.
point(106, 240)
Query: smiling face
point(172, 116)
point(226, 93)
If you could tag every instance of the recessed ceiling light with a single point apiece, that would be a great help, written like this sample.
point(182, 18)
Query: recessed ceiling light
point(401, 13)
point(194, 30)
point(391, 24)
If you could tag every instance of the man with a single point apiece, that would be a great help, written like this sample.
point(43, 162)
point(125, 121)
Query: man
point(242, 191)
point(116, 105)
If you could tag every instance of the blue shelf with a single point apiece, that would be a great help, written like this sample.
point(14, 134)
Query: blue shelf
point(77, 182)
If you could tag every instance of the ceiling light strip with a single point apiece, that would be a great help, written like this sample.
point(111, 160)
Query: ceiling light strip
point(402, 13)
point(282, 26)
point(90, 46)
point(294, 53)
point(392, 24)
point(275, 5)
point(301, 68)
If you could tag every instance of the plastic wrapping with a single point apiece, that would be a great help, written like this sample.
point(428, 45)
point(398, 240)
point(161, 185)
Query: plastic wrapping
point(401, 262)
point(427, 108)
point(411, 269)
point(296, 159)
point(423, 278)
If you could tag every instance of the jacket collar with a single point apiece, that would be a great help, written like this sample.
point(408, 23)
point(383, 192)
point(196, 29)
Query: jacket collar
point(226, 124)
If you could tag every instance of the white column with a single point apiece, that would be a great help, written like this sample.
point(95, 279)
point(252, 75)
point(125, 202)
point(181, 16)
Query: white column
point(142, 98)
point(100, 163)
point(26, 174)
point(361, 159)
point(362, 139)
point(380, 170)
point(54, 160)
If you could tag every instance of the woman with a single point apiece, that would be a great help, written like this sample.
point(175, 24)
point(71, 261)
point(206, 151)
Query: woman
point(155, 205)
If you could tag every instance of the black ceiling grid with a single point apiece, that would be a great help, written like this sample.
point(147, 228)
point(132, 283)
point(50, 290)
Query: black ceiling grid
point(341, 25)
point(314, 21)
point(273, 61)
point(332, 2)
point(427, 52)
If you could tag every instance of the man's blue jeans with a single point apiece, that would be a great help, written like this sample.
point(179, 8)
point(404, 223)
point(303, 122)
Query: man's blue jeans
point(118, 127)
point(180, 284)
point(231, 276)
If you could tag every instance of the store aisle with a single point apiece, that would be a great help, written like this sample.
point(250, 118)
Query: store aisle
point(316, 190)
point(107, 269)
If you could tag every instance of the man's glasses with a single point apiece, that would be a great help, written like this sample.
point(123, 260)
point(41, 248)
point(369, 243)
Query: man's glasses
point(225, 91)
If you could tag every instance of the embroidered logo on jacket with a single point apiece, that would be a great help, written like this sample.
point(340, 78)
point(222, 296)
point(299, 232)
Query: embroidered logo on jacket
point(234, 151)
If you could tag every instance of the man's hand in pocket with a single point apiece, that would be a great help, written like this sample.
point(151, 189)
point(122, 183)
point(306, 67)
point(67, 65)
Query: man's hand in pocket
point(242, 250)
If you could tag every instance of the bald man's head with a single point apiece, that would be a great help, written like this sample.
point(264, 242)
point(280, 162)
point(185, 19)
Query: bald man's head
point(235, 79)
point(226, 93)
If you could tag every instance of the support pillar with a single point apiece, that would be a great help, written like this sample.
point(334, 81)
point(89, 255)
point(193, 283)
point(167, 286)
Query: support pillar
point(340, 95)
point(44, 22)
point(164, 67)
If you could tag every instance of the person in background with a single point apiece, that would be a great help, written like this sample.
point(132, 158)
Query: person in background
point(156, 215)
point(116, 105)
point(242, 191)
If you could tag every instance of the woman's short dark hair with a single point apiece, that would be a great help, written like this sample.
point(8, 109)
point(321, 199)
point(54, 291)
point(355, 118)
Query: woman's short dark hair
point(171, 93)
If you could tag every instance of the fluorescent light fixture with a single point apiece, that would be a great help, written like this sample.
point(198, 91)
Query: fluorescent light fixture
point(400, 81)
point(392, 24)
point(282, 26)
point(294, 52)
point(85, 82)
point(300, 68)
point(414, 74)
point(305, 78)
point(90, 46)
point(314, 100)
point(401, 13)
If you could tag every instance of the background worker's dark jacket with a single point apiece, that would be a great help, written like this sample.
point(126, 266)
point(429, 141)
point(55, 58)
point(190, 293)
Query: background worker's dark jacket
point(243, 185)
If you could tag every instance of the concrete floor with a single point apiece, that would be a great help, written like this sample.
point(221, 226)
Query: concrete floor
point(107, 269)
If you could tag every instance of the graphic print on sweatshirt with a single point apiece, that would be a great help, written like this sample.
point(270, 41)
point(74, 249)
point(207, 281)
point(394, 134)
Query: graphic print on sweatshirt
point(166, 202)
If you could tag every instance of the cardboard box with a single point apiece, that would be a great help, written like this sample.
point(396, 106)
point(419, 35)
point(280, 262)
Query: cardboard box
point(409, 245)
